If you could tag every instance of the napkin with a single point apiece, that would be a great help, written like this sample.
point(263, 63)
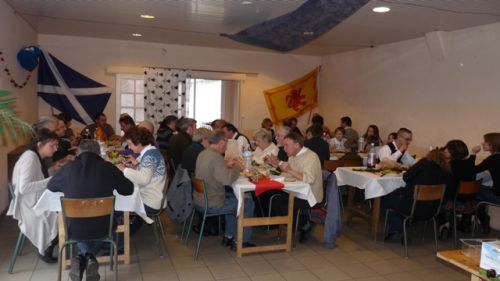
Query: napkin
point(265, 184)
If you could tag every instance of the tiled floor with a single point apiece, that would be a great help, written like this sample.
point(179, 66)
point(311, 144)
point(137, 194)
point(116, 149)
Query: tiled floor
point(356, 257)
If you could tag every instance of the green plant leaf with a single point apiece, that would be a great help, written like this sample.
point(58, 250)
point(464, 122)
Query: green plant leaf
point(9, 122)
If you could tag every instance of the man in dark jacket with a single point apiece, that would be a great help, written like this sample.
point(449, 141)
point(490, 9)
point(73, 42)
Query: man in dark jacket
point(180, 141)
point(315, 143)
point(88, 176)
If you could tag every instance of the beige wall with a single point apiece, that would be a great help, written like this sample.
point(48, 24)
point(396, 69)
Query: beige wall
point(15, 33)
point(91, 57)
point(405, 85)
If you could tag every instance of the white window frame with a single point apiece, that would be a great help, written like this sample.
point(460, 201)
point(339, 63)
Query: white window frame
point(118, 95)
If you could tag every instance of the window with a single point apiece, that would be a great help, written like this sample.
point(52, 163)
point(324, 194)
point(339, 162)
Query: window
point(205, 100)
point(130, 97)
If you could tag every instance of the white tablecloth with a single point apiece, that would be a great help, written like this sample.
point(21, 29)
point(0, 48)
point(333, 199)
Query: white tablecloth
point(302, 190)
point(374, 185)
point(49, 201)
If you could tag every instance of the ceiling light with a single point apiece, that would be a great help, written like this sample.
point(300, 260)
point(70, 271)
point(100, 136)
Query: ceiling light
point(245, 3)
point(136, 34)
point(146, 16)
point(308, 33)
point(381, 9)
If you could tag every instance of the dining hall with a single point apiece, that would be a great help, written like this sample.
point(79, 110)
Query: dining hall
point(249, 140)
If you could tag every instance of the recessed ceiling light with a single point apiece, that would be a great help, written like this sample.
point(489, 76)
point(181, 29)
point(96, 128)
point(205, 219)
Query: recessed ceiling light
point(246, 3)
point(381, 9)
point(146, 16)
point(308, 33)
point(136, 34)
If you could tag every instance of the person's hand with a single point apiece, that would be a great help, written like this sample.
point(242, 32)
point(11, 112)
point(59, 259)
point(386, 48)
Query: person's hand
point(403, 147)
point(231, 162)
point(284, 166)
point(475, 149)
point(130, 161)
point(271, 160)
point(121, 166)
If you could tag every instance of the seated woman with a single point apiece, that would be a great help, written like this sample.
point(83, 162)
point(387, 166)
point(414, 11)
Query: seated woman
point(147, 171)
point(433, 169)
point(265, 146)
point(491, 144)
point(337, 143)
point(462, 169)
point(30, 178)
point(372, 136)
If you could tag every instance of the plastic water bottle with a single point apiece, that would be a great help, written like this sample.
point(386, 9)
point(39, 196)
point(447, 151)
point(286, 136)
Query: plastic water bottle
point(361, 144)
point(247, 160)
point(372, 157)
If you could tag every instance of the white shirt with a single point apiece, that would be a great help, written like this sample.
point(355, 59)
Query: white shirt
point(385, 154)
point(242, 142)
point(338, 144)
point(259, 154)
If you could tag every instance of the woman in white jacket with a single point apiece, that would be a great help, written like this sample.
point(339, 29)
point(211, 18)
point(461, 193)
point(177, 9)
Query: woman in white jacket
point(148, 171)
point(30, 178)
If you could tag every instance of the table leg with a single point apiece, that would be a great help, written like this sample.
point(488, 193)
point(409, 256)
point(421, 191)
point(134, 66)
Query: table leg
point(239, 241)
point(289, 226)
point(375, 217)
point(126, 237)
point(62, 239)
point(351, 190)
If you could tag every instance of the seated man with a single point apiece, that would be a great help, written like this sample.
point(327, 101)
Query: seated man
point(88, 176)
point(304, 165)
point(100, 122)
point(216, 173)
point(315, 143)
point(397, 151)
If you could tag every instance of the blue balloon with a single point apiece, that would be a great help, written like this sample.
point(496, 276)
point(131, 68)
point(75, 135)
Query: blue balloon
point(28, 57)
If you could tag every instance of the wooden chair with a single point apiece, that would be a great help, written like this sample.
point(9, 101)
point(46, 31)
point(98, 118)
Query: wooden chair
point(20, 238)
point(351, 162)
point(420, 209)
point(331, 165)
point(89, 208)
point(199, 187)
point(465, 189)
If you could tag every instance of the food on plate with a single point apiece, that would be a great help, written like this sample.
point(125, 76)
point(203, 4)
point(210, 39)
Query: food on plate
point(290, 179)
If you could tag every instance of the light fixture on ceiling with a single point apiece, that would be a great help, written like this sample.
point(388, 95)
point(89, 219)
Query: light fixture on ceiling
point(146, 16)
point(246, 3)
point(381, 9)
point(136, 34)
point(308, 33)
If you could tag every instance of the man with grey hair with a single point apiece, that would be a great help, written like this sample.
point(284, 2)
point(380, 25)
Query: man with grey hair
point(88, 176)
point(217, 174)
point(180, 141)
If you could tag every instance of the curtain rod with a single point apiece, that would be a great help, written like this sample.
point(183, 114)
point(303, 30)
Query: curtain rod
point(206, 70)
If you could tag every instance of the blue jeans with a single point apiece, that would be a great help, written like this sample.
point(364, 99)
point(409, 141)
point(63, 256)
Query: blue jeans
point(486, 194)
point(231, 205)
point(89, 247)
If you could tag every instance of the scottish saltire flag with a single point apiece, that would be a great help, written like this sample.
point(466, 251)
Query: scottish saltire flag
point(70, 91)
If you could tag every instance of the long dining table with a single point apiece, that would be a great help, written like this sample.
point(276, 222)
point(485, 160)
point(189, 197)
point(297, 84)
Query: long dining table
point(51, 202)
point(375, 186)
point(297, 188)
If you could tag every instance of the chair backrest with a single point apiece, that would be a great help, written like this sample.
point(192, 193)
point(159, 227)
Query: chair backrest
point(199, 187)
point(468, 187)
point(427, 200)
point(88, 208)
point(168, 162)
point(331, 165)
point(351, 163)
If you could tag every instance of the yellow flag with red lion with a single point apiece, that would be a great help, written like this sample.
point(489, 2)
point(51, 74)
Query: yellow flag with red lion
point(294, 98)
